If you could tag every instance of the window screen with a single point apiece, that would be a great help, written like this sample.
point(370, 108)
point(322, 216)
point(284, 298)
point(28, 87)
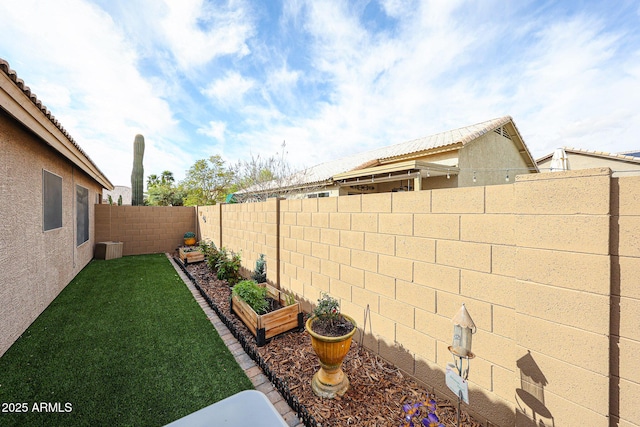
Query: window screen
point(52, 200)
point(82, 215)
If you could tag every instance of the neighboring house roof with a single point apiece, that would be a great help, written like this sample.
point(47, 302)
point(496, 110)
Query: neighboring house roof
point(633, 153)
point(18, 100)
point(410, 149)
point(630, 157)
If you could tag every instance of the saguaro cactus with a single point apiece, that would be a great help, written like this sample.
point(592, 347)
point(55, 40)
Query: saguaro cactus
point(137, 174)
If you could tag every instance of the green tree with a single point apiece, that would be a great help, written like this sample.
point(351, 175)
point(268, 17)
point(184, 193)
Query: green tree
point(152, 180)
point(207, 182)
point(167, 177)
point(161, 191)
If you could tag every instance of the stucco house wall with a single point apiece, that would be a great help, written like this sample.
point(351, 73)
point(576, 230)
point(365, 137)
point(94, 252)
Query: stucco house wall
point(37, 264)
point(620, 164)
point(493, 159)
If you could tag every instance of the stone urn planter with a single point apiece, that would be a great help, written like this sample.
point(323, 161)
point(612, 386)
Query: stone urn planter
point(189, 238)
point(330, 381)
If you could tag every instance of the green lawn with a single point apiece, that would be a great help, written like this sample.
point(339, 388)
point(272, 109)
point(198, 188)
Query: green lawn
point(124, 344)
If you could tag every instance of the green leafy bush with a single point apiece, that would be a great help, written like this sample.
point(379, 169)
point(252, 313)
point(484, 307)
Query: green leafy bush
point(211, 254)
point(228, 266)
point(252, 294)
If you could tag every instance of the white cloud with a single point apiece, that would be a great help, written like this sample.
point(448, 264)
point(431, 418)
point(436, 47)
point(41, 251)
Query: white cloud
point(575, 88)
point(320, 76)
point(198, 31)
point(214, 130)
point(230, 89)
point(99, 95)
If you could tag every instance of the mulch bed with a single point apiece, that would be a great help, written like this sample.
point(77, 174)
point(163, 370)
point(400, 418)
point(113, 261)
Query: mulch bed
point(378, 389)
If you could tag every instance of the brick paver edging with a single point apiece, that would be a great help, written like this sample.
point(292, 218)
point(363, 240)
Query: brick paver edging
point(258, 371)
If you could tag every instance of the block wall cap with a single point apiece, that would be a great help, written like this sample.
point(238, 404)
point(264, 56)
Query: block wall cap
point(581, 173)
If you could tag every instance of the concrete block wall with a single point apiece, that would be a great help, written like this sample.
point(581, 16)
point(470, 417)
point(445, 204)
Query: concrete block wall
point(413, 259)
point(547, 267)
point(250, 229)
point(144, 229)
point(625, 302)
point(209, 223)
point(562, 297)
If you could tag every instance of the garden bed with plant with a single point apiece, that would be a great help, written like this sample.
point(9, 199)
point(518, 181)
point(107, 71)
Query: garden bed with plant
point(379, 395)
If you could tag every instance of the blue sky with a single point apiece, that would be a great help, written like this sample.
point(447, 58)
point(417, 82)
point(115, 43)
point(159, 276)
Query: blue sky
point(330, 78)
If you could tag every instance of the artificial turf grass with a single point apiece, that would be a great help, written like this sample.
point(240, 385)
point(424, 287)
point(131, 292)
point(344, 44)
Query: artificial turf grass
point(124, 344)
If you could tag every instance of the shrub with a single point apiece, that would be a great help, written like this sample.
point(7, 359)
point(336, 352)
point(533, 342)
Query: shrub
point(260, 273)
point(228, 266)
point(211, 253)
point(252, 294)
point(327, 308)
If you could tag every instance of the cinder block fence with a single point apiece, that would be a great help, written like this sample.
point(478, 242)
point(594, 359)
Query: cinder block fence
point(547, 266)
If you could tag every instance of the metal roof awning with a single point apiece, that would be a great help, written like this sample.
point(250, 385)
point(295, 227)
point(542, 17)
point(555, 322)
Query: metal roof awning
point(394, 172)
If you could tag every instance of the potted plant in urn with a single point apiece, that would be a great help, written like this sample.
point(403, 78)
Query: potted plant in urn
point(331, 333)
point(189, 238)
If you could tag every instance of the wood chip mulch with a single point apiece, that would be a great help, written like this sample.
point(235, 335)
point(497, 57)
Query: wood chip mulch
point(378, 389)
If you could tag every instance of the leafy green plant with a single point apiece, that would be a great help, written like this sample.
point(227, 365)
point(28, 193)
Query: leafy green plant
point(252, 294)
point(206, 247)
point(327, 308)
point(289, 298)
point(228, 266)
point(260, 273)
point(211, 253)
point(189, 235)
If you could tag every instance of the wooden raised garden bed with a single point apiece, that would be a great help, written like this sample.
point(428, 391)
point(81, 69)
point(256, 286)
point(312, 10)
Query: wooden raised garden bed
point(189, 255)
point(266, 326)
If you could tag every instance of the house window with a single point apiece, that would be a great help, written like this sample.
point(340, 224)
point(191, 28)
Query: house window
point(52, 201)
point(316, 195)
point(82, 215)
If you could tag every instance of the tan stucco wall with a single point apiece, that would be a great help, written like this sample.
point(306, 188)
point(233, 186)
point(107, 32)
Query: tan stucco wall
point(547, 266)
point(36, 264)
point(145, 229)
point(492, 157)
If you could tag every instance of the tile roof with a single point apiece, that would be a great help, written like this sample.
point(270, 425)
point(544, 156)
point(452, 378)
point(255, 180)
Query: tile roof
point(13, 76)
point(463, 135)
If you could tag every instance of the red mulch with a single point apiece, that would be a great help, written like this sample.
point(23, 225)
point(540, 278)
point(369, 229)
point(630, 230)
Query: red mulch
point(378, 389)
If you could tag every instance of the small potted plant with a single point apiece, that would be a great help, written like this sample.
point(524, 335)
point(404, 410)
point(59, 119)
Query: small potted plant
point(331, 333)
point(189, 238)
